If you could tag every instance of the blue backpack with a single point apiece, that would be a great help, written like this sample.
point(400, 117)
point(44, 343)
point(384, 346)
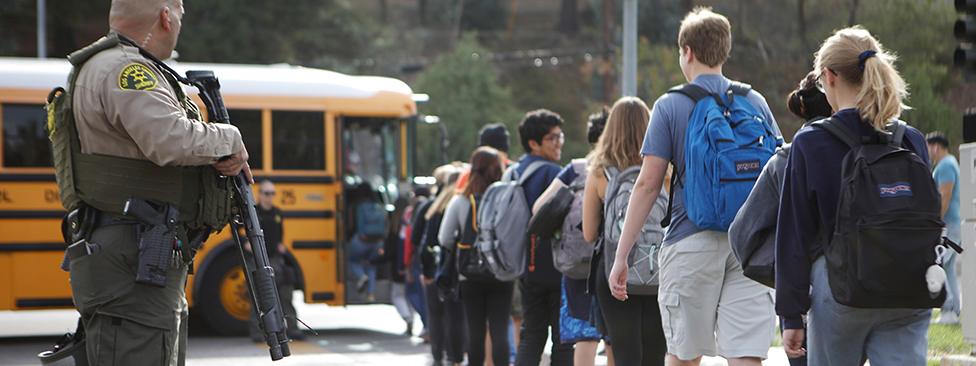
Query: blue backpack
point(727, 144)
point(371, 219)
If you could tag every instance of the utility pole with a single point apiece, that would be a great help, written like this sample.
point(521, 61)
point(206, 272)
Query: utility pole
point(41, 29)
point(629, 76)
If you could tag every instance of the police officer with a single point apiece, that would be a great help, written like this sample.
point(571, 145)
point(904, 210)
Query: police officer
point(130, 132)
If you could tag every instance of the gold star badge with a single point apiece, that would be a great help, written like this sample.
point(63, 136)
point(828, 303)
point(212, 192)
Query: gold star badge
point(136, 76)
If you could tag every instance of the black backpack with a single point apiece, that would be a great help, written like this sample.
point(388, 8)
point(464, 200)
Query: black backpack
point(888, 223)
point(470, 262)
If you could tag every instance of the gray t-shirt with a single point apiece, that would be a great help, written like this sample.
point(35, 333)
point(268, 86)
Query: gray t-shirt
point(665, 139)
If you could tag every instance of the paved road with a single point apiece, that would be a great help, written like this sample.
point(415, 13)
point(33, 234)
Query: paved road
point(357, 335)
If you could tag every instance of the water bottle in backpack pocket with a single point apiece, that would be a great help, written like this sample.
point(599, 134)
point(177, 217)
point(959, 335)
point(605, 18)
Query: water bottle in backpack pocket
point(727, 143)
point(643, 269)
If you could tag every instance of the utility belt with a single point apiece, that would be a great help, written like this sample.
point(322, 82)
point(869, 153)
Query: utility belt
point(164, 241)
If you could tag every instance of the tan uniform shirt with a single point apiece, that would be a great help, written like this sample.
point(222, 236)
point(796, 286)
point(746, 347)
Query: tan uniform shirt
point(124, 106)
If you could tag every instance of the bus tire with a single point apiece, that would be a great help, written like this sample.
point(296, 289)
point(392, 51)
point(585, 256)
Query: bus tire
point(223, 299)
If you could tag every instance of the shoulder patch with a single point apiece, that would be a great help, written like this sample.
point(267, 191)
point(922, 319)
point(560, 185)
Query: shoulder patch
point(136, 76)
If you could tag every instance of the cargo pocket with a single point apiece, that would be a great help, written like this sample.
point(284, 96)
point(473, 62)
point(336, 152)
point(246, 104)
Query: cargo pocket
point(671, 319)
point(123, 342)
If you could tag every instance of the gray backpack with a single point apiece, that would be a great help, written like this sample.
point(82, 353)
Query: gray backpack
point(503, 220)
point(571, 253)
point(642, 276)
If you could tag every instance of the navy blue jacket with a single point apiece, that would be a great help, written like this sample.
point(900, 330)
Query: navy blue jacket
point(808, 206)
point(541, 269)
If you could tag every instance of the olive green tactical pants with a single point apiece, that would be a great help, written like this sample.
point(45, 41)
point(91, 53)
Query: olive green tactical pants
point(128, 323)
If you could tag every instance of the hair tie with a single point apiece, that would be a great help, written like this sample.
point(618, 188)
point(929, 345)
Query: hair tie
point(864, 56)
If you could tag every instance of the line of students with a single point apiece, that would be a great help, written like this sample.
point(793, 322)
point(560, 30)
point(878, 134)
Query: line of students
point(705, 304)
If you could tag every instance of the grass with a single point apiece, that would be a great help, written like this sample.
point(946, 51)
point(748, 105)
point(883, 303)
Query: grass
point(945, 339)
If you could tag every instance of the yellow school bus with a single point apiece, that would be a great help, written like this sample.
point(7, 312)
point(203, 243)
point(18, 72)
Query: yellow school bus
point(310, 131)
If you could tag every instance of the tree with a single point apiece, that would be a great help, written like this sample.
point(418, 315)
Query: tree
point(251, 32)
point(568, 17)
point(465, 93)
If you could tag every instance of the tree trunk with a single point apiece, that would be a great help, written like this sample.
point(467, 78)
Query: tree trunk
point(801, 21)
point(422, 12)
point(383, 10)
point(609, 27)
point(569, 17)
point(853, 15)
point(459, 14)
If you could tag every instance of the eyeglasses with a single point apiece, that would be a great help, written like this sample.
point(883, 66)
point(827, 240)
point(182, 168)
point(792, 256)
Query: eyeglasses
point(268, 193)
point(560, 137)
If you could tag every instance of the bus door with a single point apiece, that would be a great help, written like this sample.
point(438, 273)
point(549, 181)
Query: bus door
point(371, 168)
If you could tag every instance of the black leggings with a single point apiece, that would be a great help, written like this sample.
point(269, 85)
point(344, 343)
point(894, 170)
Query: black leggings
point(634, 326)
point(445, 324)
point(487, 303)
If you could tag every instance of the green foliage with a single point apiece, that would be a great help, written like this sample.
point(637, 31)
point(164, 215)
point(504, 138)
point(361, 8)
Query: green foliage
point(924, 55)
point(657, 69)
point(946, 339)
point(560, 90)
point(308, 32)
point(466, 94)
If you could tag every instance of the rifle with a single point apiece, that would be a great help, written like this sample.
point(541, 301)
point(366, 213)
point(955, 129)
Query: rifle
point(259, 274)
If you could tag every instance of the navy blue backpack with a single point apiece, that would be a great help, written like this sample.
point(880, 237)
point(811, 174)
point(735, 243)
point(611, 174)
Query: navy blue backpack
point(727, 144)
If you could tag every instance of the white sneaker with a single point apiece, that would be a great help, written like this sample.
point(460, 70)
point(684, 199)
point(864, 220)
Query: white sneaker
point(948, 318)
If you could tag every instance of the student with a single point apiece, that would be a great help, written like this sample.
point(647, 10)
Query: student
point(634, 324)
point(485, 300)
point(444, 315)
point(370, 221)
point(493, 135)
point(542, 138)
point(584, 333)
point(754, 227)
point(708, 307)
point(394, 247)
point(946, 175)
point(866, 91)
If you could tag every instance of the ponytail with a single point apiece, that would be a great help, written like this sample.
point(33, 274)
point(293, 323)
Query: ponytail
point(857, 57)
point(882, 91)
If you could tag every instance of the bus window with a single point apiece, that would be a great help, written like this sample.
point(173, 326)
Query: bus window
point(372, 148)
point(249, 122)
point(25, 142)
point(298, 140)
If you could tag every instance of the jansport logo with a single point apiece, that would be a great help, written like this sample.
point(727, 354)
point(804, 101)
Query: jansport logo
point(747, 166)
point(897, 189)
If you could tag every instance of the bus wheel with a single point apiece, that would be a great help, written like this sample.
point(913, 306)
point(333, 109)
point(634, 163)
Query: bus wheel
point(223, 296)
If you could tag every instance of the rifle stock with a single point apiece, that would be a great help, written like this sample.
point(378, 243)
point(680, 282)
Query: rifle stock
point(257, 269)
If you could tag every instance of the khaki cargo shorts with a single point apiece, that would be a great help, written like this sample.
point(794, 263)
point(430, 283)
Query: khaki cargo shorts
point(708, 307)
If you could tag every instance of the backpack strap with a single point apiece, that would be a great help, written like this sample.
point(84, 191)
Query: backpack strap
point(666, 221)
point(695, 92)
point(739, 88)
point(532, 168)
point(474, 212)
point(897, 129)
point(838, 131)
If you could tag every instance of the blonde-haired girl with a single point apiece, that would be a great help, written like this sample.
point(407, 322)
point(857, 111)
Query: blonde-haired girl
point(866, 93)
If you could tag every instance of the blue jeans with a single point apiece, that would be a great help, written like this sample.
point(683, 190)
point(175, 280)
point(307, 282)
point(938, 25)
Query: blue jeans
point(360, 252)
point(415, 293)
point(840, 335)
point(953, 232)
